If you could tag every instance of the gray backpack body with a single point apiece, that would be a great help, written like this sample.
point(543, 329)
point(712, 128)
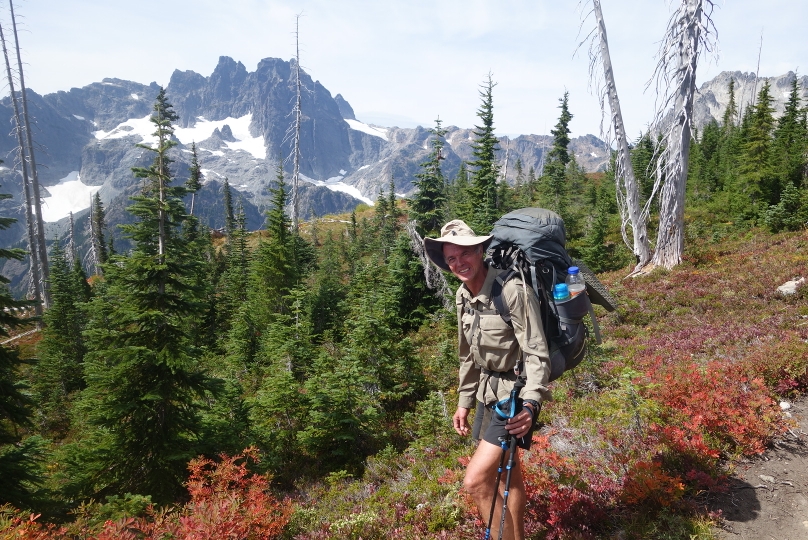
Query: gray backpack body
point(530, 243)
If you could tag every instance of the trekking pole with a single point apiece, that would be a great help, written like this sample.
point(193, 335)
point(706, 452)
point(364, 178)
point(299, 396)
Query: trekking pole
point(509, 442)
point(512, 444)
point(504, 445)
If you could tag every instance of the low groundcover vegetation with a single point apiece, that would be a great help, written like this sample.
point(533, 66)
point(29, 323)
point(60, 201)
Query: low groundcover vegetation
point(638, 439)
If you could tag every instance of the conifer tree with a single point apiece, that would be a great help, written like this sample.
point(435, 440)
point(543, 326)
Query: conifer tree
point(757, 174)
point(59, 374)
point(790, 145)
point(277, 267)
point(327, 301)
point(414, 300)
point(143, 375)
point(428, 205)
point(731, 112)
point(485, 169)
point(234, 279)
point(97, 233)
point(458, 201)
point(229, 216)
point(19, 458)
point(194, 182)
point(555, 169)
point(532, 184)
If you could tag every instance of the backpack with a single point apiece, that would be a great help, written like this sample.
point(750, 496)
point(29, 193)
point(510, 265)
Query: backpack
point(530, 243)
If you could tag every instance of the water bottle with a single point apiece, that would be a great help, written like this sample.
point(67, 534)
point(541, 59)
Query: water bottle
point(561, 293)
point(575, 281)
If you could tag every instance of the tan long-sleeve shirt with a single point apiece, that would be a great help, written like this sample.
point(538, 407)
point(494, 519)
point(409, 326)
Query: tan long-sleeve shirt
point(487, 344)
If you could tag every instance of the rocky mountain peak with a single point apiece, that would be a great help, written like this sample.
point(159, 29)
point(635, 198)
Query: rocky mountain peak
point(345, 108)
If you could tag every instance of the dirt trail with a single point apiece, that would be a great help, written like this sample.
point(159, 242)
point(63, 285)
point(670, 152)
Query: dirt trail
point(768, 496)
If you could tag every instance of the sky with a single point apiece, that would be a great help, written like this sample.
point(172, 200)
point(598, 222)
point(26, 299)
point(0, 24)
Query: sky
point(405, 62)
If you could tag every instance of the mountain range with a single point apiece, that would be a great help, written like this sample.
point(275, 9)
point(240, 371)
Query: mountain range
point(240, 121)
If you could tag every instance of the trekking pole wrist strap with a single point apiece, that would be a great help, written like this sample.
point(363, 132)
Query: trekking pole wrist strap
point(534, 407)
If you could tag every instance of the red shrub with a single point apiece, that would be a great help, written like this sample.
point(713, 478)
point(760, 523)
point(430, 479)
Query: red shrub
point(565, 497)
point(647, 484)
point(713, 408)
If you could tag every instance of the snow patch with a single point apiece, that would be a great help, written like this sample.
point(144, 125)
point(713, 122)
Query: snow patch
point(143, 128)
point(241, 132)
point(335, 183)
point(134, 96)
point(70, 195)
point(77, 117)
point(343, 172)
point(370, 130)
point(206, 172)
point(363, 167)
point(140, 127)
point(593, 154)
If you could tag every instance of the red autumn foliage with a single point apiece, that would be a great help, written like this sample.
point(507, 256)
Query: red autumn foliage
point(713, 409)
point(565, 497)
point(647, 484)
point(227, 501)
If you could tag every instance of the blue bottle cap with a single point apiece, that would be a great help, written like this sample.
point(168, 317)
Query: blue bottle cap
point(561, 291)
point(572, 270)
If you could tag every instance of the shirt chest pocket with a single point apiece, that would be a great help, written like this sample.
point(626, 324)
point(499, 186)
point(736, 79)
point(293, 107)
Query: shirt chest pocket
point(490, 338)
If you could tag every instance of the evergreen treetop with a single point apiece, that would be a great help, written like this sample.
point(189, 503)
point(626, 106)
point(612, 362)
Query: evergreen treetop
point(484, 166)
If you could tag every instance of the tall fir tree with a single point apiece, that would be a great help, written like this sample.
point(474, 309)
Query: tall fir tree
point(555, 169)
point(59, 374)
point(98, 229)
point(229, 214)
point(757, 175)
point(144, 381)
point(194, 182)
point(790, 145)
point(458, 196)
point(428, 205)
point(484, 166)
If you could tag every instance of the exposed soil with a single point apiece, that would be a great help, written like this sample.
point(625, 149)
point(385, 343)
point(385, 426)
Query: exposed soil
point(768, 496)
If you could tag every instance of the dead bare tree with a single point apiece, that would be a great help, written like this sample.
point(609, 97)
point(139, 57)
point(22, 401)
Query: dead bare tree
point(433, 277)
point(33, 251)
point(71, 242)
point(627, 189)
point(93, 259)
point(37, 201)
point(295, 132)
point(689, 28)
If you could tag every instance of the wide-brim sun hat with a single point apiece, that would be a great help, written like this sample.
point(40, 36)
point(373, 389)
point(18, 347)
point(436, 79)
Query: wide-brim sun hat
point(455, 232)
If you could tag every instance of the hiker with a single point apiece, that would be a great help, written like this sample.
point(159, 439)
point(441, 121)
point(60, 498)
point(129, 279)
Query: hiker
point(492, 356)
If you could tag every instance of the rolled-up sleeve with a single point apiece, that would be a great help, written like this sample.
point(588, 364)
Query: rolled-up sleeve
point(527, 326)
point(469, 370)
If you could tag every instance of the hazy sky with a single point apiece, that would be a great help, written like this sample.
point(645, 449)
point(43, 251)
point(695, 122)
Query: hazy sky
point(403, 62)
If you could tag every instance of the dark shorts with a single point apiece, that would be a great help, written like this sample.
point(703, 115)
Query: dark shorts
point(492, 427)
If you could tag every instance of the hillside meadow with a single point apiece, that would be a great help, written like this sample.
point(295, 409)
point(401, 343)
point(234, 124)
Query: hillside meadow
point(636, 443)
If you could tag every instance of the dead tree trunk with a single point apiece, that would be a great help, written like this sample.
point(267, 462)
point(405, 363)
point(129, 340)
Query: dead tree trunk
point(627, 189)
point(37, 201)
point(433, 277)
point(296, 137)
point(33, 251)
point(689, 27)
point(93, 255)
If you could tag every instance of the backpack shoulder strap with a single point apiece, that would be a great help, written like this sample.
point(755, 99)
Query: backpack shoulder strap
point(496, 295)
